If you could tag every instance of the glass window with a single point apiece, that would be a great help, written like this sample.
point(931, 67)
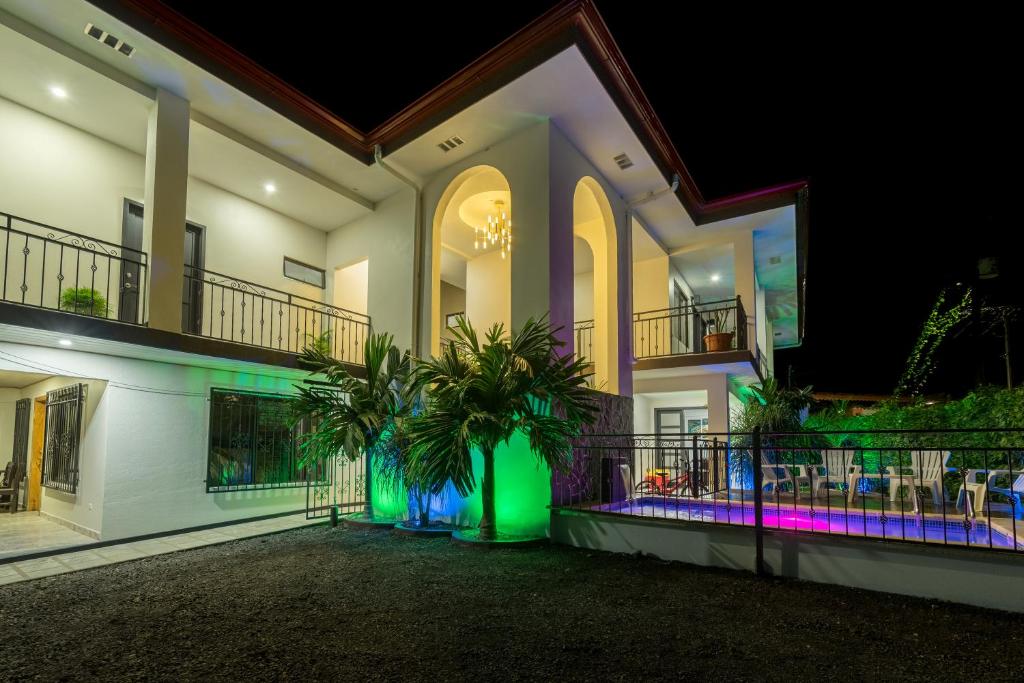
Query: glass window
point(252, 443)
point(296, 270)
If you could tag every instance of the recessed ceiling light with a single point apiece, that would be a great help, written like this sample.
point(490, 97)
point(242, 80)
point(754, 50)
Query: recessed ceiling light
point(64, 342)
point(270, 188)
point(715, 277)
point(58, 92)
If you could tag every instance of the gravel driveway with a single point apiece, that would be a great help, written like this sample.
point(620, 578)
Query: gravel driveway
point(320, 603)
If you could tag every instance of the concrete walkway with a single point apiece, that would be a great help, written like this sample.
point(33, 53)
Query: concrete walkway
point(73, 560)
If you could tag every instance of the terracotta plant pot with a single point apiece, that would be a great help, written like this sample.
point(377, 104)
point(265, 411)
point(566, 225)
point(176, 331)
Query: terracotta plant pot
point(719, 341)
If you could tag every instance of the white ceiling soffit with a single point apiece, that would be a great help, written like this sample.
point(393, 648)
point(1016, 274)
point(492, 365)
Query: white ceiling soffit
point(229, 165)
point(11, 379)
point(14, 334)
point(698, 267)
point(565, 90)
point(94, 103)
point(644, 246)
point(159, 67)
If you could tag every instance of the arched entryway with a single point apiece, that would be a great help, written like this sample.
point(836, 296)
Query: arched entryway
point(595, 283)
point(472, 253)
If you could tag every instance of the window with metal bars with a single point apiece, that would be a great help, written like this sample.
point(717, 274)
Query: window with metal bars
point(253, 444)
point(63, 437)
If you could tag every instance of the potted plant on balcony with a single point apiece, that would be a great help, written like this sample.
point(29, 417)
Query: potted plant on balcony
point(84, 301)
point(480, 394)
point(719, 340)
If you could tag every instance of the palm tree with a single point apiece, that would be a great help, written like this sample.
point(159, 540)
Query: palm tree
point(481, 394)
point(354, 415)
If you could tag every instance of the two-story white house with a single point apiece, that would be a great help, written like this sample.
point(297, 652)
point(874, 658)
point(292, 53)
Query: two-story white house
point(176, 223)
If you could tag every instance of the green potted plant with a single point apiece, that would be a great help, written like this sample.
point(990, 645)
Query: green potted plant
point(719, 340)
point(84, 301)
point(480, 394)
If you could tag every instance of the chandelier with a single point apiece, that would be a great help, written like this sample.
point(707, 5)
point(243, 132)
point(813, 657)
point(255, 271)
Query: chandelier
point(497, 231)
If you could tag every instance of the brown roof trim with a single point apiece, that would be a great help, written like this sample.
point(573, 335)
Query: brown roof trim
point(199, 46)
point(570, 22)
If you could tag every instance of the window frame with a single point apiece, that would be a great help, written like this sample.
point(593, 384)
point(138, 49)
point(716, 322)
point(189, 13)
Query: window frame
point(301, 479)
point(321, 271)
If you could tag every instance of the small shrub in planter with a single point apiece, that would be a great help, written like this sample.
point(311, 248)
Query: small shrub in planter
point(84, 301)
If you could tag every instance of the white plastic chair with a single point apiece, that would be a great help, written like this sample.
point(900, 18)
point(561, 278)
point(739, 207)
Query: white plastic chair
point(775, 475)
point(925, 471)
point(834, 470)
point(1015, 493)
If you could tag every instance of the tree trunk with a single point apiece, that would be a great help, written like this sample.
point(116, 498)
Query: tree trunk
point(368, 510)
point(488, 523)
point(424, 500)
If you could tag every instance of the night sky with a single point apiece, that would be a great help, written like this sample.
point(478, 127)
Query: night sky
point(902, 123)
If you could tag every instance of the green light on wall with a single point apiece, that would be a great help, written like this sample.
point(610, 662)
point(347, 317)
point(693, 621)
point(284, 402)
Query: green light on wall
point(522, 490)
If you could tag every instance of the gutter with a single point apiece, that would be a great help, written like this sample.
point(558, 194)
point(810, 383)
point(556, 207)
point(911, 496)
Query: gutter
point(417, 249)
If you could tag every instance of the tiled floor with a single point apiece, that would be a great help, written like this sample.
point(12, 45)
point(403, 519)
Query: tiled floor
point(28, 532)
point(84, 559)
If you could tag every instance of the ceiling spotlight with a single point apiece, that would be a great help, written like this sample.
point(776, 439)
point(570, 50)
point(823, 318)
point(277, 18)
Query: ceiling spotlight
point(58, 92)
point(64, 342)
point(715, 277)
point(270, 188)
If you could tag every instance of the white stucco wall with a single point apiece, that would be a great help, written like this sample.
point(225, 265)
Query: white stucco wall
point(487, 300)
point(385, 239)
point(144, 457)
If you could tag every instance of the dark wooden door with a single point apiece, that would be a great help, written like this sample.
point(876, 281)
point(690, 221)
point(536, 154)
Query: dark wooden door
point(131, 269)
point(192, 289)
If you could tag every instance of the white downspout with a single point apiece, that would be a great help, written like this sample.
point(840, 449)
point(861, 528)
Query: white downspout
point(417, 249)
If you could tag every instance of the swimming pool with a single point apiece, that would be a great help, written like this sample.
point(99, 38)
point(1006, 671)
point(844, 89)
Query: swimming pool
point(836, 521)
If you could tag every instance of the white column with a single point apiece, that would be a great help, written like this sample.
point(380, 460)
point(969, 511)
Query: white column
point(164, 219)
point(746, 283)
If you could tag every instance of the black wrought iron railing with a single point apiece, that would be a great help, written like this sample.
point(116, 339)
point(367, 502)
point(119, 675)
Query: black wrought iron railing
point(946, 487)
point(695, 328)
point(48, 267)
point(224, 307)
point(583, 344)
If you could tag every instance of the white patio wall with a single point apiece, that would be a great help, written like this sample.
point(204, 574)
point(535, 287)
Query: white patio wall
point(385, 239)
point(973, 577)
point(145, 442)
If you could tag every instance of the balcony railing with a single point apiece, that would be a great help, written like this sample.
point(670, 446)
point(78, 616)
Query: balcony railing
point(52, 268)
point(696, 328)
point(224, 307)
point(583, 344)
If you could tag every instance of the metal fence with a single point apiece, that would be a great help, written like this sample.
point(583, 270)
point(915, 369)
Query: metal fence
point(953, 487)
point(583, 344)
point(695, 328)
point(227, 308)
point(343, 488)
point(47, 267)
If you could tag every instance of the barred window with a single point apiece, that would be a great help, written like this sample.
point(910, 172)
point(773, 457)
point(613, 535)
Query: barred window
point(253, 444)
point(63, 437)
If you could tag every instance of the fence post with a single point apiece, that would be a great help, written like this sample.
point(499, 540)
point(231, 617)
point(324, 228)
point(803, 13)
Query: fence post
point(755, 457)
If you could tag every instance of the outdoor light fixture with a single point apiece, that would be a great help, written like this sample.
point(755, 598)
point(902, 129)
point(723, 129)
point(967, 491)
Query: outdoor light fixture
point(498, 230)
point(271, 188)
point(715, 277)
point(58, 92)
point(64, 342)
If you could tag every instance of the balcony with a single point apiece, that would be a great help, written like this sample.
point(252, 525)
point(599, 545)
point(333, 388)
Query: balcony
point(222, 307)
point(50, 268)
point(715, 332)
point(75, 284)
